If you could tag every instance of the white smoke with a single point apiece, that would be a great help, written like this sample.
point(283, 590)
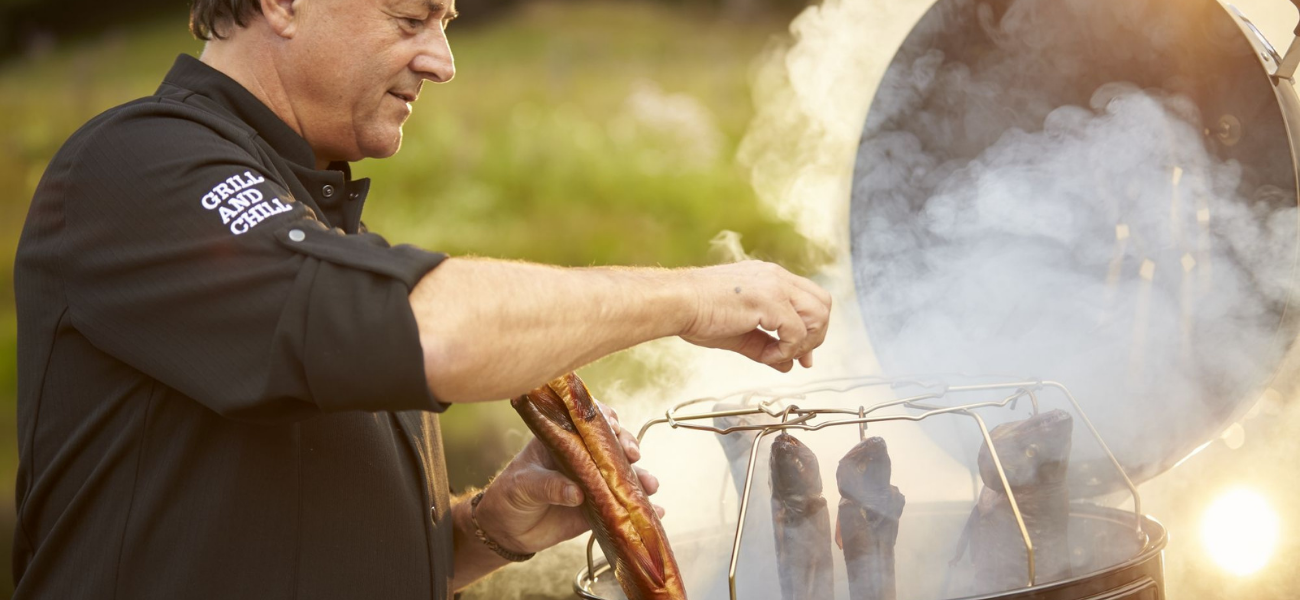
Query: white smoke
point(1088, 243)
point(812, 96)
point(1101, 244)
point(1109, 251)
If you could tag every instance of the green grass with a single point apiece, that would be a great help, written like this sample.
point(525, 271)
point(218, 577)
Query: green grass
point(574, 134)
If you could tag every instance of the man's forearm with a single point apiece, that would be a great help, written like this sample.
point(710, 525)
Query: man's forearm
point(494, 329)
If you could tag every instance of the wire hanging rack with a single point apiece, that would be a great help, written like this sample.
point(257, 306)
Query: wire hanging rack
point(778, 403)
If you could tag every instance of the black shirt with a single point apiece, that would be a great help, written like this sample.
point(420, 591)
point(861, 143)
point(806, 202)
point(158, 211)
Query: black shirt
point(221, 387)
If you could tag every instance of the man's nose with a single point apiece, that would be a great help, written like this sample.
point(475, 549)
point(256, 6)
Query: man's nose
point(435, 62)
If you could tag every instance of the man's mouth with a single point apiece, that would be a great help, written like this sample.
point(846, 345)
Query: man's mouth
point(408, 98)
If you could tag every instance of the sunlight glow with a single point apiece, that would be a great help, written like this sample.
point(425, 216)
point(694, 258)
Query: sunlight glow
point(1240, 531)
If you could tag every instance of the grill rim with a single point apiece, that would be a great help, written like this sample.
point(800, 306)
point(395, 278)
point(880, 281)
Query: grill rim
point(1116, 582)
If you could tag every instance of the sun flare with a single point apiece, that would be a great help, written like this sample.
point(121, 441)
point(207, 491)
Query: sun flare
point(1240, 531)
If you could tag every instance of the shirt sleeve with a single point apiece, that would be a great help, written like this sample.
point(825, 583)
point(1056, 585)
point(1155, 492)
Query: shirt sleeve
point(185, 258)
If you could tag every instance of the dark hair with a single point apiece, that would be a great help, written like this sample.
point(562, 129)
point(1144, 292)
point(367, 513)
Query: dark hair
point(209, 18)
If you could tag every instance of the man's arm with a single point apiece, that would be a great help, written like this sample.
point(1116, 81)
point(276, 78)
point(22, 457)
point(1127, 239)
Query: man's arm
point(493, 329)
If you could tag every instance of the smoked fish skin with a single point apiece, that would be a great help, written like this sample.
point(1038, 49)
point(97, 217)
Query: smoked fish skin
point(1035, 455)
point(867, 525)
point(736, 445)
point(565, 418)
point(801, 522)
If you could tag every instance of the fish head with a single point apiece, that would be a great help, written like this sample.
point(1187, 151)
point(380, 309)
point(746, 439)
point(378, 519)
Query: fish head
point(865, 471)
point(1034, 451)
point(795, 472)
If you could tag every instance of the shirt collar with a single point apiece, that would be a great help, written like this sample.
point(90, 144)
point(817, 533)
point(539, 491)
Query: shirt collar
point(191, 74)
point(333, 189)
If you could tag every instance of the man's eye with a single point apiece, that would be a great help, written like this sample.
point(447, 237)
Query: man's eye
point(413, 23)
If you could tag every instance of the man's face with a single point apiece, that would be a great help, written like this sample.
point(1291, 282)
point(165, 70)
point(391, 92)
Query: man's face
point(355, 67)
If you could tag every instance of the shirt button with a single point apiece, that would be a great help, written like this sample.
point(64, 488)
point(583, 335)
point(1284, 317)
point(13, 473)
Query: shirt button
point(433, 513)
point(297, 235)
point(328, 190)
point(354, 195)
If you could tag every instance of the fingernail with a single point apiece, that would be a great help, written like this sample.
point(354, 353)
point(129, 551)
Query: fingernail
point(572, 496)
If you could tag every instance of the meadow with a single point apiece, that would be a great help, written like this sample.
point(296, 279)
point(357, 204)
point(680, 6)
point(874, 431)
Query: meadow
point(573, 134)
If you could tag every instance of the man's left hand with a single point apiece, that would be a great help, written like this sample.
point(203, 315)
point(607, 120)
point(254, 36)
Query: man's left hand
point(531, 506)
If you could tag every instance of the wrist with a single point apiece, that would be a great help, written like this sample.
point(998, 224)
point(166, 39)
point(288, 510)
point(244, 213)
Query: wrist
point(482, 529)
point(686, 300)
point(674, 300)
point(655, 302)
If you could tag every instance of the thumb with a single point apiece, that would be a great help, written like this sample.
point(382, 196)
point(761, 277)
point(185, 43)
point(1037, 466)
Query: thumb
point(543, 486)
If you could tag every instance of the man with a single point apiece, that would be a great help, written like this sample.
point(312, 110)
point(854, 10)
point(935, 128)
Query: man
point(229, 388)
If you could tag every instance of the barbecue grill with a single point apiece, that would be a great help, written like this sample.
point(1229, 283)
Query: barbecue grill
point(1120, 550)
point(1239, 91)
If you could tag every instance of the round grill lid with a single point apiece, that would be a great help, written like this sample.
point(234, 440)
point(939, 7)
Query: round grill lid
point(1097, 192)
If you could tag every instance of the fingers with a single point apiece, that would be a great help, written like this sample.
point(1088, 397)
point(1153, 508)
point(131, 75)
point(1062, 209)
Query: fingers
point(804, 325)
point(813, 306)
point(611, 414)
point(630, 447)
point(537, 487)
point(625, 438)
point(535, 452)
point(751, 345)
point(806, 361)
point(649, 482)
point(659, 510)
point(817, 291)
point(790, 329)
point(815, 315)
point(799, 314)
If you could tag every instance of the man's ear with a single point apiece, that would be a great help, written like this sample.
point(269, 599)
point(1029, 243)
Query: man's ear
point(282, 16)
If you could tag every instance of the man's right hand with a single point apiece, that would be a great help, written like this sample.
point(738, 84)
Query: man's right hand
point(739, 306)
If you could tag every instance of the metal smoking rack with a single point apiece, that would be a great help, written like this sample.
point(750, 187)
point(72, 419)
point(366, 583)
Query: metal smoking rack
point(769, 402)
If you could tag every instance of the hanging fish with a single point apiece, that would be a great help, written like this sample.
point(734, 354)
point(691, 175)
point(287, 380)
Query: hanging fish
point(1035, 454)
point(867, 525)
point(801, 522)
point(737, 444)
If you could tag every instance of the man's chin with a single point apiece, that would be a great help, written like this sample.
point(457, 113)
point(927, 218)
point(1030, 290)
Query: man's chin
point(385, 148)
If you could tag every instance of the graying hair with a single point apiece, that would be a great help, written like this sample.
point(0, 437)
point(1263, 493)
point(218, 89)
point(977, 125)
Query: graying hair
point(209, 18)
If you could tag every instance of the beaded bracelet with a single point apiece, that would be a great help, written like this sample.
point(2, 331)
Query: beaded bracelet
point(493, 546)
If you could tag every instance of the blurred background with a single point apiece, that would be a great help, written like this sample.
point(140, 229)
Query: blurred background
point(575, 133)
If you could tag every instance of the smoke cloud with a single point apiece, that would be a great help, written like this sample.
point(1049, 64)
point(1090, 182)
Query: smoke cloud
point(1102, 245)
point(1108, 251)
point(1096, 242)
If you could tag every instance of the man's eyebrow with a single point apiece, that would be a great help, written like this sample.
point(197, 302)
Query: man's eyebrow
point(437, 7)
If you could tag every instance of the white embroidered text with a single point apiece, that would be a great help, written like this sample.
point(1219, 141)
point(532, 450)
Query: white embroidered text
point(241, 205)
